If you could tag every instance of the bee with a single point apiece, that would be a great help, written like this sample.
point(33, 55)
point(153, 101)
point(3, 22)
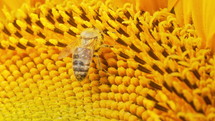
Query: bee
point(82, 51)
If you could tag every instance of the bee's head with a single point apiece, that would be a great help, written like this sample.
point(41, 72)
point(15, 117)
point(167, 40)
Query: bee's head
point(90, 33)
point(90, 36)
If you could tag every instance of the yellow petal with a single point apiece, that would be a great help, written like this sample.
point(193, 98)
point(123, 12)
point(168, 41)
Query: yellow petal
point(145, 5)
point(187, 11)
point(151, 5)
point(12, 4)
point(199, 13)
point(182, 10)
point(171, 4)
point(198, 18)
point(179, 12)
point(204, 21)
point(34, 2)
point(209, 24)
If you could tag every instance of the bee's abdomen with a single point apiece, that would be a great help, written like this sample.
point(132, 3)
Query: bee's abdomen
point(80, 69)
point(81, 62)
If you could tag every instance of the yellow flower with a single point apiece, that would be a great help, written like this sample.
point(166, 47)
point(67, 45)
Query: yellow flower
point(155, 68)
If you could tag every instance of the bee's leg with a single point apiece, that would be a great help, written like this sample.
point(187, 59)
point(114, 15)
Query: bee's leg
point(97, 61)
point(100, 67)
point(106, 45)
point(97, 52)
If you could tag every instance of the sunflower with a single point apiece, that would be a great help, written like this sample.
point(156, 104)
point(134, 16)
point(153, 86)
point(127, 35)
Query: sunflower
point(159, 64)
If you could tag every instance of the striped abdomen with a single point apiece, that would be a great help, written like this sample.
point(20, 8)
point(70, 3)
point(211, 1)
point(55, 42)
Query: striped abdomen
point(81, 62)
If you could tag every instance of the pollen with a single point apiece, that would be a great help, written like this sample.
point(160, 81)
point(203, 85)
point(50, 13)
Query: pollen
point(148, 67)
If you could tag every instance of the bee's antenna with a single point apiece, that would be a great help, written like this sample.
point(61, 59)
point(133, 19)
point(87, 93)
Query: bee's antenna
point(105, 31)
point(102, 36)
point(94, 27)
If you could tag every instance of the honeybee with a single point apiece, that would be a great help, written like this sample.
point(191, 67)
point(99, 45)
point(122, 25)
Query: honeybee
point(82, 51)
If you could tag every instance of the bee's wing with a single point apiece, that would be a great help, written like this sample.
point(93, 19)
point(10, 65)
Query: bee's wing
point(68, 50)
